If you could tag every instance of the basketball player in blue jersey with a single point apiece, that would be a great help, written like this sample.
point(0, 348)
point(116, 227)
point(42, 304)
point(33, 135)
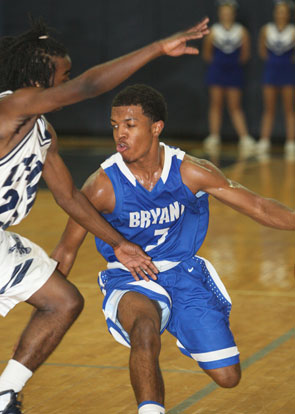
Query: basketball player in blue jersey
point(157, 196)
point(34, 79)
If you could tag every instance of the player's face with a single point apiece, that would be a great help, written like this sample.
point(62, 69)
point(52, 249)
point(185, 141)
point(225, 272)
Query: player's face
point(132, 132)
point(226, 15)
point(63, 66)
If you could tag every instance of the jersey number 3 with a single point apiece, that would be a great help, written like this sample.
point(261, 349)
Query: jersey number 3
point(159, 232)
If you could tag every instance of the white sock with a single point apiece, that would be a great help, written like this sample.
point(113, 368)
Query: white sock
point(150, 407)
point(14, 376)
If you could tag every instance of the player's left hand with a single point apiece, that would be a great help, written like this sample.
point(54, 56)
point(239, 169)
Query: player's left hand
point(176, 45)
point(137, 262)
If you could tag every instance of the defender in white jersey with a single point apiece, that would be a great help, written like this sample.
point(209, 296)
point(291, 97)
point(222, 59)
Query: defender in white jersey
point(34, 72)
point(158, 196)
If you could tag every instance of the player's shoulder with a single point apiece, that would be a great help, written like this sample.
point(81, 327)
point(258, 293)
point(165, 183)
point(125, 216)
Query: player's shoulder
point(190, 161)
point(97, 178)
point(196, 173)
point(99, 190)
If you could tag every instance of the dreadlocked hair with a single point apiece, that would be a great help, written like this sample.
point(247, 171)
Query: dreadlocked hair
point(26, 60)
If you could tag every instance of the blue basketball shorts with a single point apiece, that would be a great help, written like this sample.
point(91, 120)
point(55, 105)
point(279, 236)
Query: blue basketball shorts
point(195, 309)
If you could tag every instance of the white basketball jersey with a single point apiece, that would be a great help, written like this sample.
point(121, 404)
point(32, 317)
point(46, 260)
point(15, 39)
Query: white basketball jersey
point(20, 172)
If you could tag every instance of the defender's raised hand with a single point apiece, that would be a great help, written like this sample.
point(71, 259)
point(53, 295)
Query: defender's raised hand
point(176, 45)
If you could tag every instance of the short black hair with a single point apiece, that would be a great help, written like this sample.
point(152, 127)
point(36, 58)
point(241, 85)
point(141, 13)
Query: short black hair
point(152, 102)
point(27, 59)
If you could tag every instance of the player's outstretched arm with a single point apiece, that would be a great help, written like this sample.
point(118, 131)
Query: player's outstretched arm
point(77, 205)
point(66, 250)
point(104, 77)
point(203, 175)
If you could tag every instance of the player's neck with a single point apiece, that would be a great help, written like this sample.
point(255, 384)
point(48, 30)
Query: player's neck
point(148, 170)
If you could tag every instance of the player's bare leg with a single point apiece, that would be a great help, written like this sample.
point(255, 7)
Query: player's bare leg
point(141, 318)
point(226, 377)
point(58, 303)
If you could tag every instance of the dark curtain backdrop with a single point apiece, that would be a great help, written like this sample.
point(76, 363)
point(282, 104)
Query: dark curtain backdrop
point(98, 30)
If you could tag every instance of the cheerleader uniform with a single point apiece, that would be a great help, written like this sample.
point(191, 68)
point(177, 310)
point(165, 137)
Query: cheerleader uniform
point(225, 69)
point(279, 67)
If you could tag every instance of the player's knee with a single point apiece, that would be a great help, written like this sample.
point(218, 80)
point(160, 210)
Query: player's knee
point(66, 306)
point(145, 334)
point(73, 303)
point(229, 380)
point(226, 377)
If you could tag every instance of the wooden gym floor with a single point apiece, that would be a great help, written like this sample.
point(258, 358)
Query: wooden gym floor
point(88, 373)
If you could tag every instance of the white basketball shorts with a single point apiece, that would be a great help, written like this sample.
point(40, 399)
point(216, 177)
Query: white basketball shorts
point(24, 269)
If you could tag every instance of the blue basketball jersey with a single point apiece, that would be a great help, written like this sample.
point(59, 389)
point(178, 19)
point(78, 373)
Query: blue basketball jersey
point(169, 222)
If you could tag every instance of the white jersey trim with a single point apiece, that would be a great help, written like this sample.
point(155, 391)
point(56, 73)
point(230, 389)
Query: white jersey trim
point(16, 149)
point(110, 309)
point(216, 279)
point(161, 265)
point(169, 153)
point(216, 355)
point(117, 159)
point(213, 355)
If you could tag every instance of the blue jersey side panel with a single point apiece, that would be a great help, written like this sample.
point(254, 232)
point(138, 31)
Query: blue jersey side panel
point(169, 222)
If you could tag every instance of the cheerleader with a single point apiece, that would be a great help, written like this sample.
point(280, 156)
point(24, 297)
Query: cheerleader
point(227, 49)
point(276, 48)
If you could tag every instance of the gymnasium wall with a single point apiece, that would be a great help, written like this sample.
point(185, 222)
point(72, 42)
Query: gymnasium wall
point(98, 30)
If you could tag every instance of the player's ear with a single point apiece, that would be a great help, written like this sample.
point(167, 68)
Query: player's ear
point(157, 127)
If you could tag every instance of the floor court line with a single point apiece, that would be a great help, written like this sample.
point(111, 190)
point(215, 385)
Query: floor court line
point(245, 364)
point(178, 409)
point(113, 367)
